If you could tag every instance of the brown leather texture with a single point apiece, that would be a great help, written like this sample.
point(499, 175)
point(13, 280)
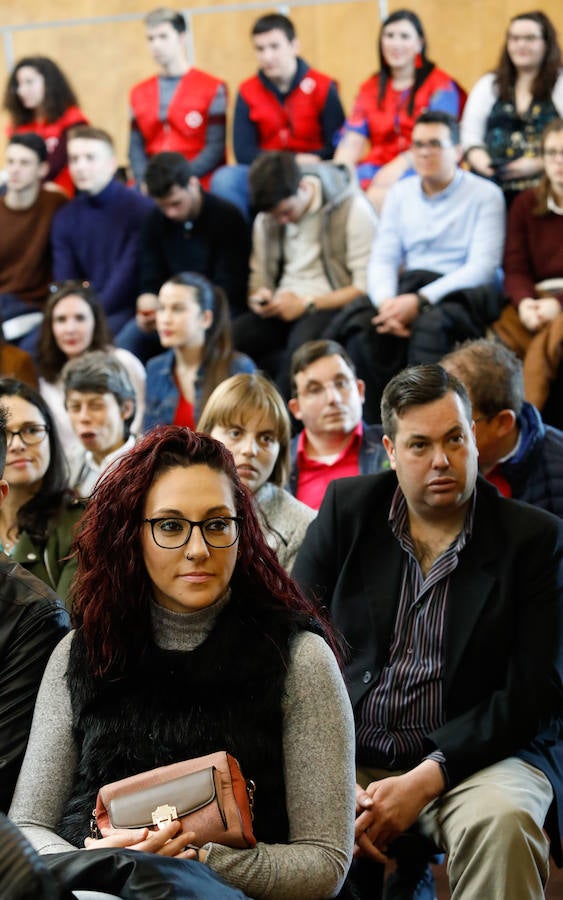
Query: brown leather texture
point(208, 795)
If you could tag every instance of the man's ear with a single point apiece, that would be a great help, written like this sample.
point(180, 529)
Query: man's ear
point(390, 450)
point(361, 385)
point(43, 170)
point(505, 421)
point(294, 408)
point(193, 182)
point(127, 409)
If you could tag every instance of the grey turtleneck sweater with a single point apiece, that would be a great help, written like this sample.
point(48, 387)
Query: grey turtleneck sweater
point(318, 750)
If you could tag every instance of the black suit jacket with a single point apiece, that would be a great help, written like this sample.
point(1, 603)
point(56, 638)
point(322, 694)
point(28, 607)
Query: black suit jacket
point(504, 629)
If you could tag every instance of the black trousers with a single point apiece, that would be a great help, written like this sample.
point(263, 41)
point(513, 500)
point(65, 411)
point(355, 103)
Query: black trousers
point(132, 875)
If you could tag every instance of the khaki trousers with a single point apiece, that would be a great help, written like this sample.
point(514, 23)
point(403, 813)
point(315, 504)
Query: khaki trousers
point(491, 827)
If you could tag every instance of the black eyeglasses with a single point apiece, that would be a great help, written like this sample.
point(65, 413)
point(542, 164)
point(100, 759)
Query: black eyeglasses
point(28, 434)
point(218, 532)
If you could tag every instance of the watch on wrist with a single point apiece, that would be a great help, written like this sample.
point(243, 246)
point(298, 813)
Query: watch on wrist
point(310, 306)
point(423, 303)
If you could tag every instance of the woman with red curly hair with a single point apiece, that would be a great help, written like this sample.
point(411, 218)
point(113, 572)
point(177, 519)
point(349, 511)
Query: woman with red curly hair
point(191, 638)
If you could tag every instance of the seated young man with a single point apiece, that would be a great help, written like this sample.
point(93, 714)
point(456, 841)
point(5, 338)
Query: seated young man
point(286, 105)
point(100, 401)
point(327, 398)
point(26, 215)
point(311, 242)
point(182, 108)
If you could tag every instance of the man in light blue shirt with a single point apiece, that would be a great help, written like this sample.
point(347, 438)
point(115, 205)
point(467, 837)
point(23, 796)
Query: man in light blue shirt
point(433, 271)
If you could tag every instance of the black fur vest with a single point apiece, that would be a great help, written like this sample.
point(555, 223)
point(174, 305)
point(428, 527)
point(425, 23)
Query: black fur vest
point(224, 695)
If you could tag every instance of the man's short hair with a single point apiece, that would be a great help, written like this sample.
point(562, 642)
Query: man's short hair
point(417, 386)
point(274, 176)
point(3, 439)
point(33, 142)
point(310, 352)
point(165, 171)
point(491, 373)
point(91, 133)
point(99, 372)
point(436, 117)
point(165, 15)
point(274, 21)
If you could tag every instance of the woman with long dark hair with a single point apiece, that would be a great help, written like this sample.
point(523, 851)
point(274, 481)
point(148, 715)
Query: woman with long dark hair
point(508, 109)
point(191, 638)
point(39, 98)
point(193, 323)
point(74, 323)
point(388, 104)
point(38, 516)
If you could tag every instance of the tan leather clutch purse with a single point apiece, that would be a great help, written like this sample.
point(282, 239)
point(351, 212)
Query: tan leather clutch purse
point(208, 795)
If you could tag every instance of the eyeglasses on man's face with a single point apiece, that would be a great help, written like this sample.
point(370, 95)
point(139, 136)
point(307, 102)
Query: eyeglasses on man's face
point(172, 532)
point(553, 153)
point(340, 385)
point(434, 145)
point(28, 434)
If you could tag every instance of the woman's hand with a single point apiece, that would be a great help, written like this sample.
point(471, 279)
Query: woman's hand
point(480, 161)
point(524, 167)
point(166, 841)
point(529, 314)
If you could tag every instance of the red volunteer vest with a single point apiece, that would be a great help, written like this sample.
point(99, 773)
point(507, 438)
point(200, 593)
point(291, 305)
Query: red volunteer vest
point(294, 125)
point(53, 133)
point(184, 130)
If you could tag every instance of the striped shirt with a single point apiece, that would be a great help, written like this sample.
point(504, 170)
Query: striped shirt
point(407, 702)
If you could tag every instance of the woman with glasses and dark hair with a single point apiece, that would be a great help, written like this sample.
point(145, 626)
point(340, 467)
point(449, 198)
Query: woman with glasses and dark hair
point(74, 323)
point(377, 135)
point(193, 325)
point(39, 98)
point(38, 515)
point(249, 416)
point(532, 323)
point(192, 638)
point(508, 109)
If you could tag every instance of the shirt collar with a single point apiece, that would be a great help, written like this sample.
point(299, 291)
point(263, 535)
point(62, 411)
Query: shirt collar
point(399, 519)
point(355, 439)
point(442, 195)
point(107, 460)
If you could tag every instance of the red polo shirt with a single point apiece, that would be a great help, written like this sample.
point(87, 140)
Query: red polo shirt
point(314, 475)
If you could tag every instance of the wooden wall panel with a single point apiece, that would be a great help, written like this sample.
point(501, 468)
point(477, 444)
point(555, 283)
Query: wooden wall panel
point(103, 59)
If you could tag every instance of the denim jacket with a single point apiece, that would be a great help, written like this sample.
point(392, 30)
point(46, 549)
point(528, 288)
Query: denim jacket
point(162, 393)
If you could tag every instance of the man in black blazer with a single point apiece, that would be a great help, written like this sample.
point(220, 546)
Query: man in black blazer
point(449, 597)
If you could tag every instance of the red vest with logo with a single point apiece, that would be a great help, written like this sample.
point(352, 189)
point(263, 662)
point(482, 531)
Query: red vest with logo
point(53, 133)
point(185, 127)
point(294, 124)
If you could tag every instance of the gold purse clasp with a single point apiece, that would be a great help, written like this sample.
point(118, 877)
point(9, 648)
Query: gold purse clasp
point(163, 815)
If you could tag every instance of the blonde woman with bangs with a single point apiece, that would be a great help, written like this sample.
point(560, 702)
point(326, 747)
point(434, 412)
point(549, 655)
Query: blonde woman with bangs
point(248, 415)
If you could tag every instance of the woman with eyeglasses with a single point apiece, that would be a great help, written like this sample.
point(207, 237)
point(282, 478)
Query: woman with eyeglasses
point(508, 109)
point(532, 324)
point(39, 98)
point(74, 323)
point(192, 638)
point(38, 515)
point(249, 416)
point(194, 328)
point(377, 136)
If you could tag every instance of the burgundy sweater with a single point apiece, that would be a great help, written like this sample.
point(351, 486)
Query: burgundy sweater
point(534, 248)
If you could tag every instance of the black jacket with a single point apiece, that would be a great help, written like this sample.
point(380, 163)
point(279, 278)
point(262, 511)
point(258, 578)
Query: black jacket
point(503, 647)
point(32, 622)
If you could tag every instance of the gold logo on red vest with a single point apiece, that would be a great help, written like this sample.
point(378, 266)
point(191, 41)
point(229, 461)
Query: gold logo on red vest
point(308, 85)
point(194, 119)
